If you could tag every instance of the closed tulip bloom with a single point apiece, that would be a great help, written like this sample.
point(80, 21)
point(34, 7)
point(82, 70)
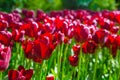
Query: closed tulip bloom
point(50, 77)
point(5, 55)
point(89, 47)
point(5, 37)
point(73, 60)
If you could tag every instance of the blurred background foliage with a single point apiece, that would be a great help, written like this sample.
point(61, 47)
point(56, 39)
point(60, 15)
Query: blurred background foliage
point(48, 5)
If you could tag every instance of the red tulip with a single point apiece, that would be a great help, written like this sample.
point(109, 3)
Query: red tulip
point(3, 25)
point(107, 24)
point(114, 29)
point(50, 77)
point(117, 17)
point(81, 33)
point(28, 13)
point(100, 36)
point(89, 47)
point(58, 37)
point(42, 47)
point(18, 35)
point(5, 37)
point(110, 40)
point(20, 74)
point(40, 15)
point(76, 49)
point(27, 47)
point(30, 28)
point(73, 60)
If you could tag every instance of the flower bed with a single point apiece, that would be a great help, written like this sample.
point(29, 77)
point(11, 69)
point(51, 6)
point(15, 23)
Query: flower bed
point(60, 45)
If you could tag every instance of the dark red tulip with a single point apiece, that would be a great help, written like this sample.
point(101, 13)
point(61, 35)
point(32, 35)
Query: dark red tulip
point(89, 46)
point(20, 74)
point(100, 36)
point(5, 37)
point(81, 33)
point(37, 59)
point(3, 25)
point(73, 60)
point(28, 13)
point(40, 15)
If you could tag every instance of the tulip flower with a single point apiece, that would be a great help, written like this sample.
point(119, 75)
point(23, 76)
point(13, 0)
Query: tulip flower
point(5, 37)
point(76, 49)
point(73, 60)
point(50, 77)
point(5, 55)
point(89, 47)
point(81, 33)
point(20, 74)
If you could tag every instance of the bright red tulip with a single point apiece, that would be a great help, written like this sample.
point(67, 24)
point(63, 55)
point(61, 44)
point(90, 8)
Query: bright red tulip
point(76, 49)
point(50, 77)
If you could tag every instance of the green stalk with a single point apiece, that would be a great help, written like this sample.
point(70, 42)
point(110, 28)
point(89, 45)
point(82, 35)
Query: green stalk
point(22, 57)
point(64, 59)
point(0, 75)
point(18, 54)
point(40, 67)
point(60, 49)
point(95, 66)
point(73, 73)
point(79, 64)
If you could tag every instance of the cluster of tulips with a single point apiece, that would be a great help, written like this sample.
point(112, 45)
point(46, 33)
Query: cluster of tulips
point(40, 33)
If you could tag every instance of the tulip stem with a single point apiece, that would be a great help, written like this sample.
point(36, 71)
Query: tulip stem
point(1, 76)
point(60, 50)
point(64, 59)
point(79, 63)
point(59, 62)
point(95, 65)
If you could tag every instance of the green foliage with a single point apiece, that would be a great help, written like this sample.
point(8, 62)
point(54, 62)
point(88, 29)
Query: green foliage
point(46, 5)
point(118, 3)
point(101, 5)
point(76, 4)
point(89, 4)
point(6, 5)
